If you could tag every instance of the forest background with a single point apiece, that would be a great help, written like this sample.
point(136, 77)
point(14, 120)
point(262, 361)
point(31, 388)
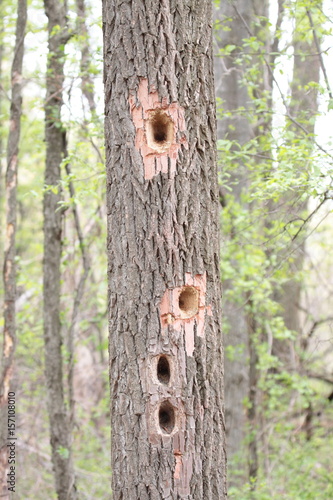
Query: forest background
point(274, 105)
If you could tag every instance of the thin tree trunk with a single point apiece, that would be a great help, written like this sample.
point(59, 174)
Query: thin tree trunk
point(87, 85)
point(252, 410)
point(87, 82)
point(87, 89)
point(54, 133)
point(1, 130)
point(168, 436)
point(9, 268)
point(78, 296)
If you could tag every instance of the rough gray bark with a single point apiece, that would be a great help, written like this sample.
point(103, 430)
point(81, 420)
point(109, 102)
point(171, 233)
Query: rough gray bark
point(9, 268)
point(54, 135)
point(164, 287)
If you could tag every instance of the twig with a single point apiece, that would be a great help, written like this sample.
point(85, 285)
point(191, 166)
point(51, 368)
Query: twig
point(316, 324)
point(310, 216)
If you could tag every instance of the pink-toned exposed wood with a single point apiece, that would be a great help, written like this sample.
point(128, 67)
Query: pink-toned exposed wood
point(163, 252)
point(170, 311)
point(143, 105)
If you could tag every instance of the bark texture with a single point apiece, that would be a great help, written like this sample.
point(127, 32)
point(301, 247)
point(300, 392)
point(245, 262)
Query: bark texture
point(164, 287)
point(54, 135)
point(9, 271)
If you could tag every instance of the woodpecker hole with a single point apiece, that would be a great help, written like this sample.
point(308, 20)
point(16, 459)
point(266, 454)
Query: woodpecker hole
point(166, 417)
point(160, 131)
point(163, 370)
point(188, 302)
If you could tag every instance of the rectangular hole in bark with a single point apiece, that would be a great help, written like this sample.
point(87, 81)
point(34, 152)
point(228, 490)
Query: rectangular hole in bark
point(160, 131)
point(166, 417)
point(163, 370)
point(188, 302)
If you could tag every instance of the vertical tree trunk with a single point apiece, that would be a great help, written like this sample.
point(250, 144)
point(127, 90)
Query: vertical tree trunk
point(9, 268)
point(1, 127)
point(237, 21)
point(303, 108)
point(252, 409)
point(54, 133)
point(87, 85)
point(234, 96)
point(164, 287)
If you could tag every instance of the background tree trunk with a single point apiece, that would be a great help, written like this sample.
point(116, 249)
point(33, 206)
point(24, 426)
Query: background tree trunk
point(87, 84)
point(1, 131)
point(237, 22)
point(303, 108)
point(9, 268)
point(232, 96)
point(55, 143)
point(164, 286)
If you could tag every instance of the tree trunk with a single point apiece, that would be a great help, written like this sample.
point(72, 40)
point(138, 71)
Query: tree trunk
point(87, 84)
point(238, 21)
point(1, 132)
point(252, 409)
point(303, 108)
point(234, 96)
point(54, 134)
point(9, 268)
point(164, 287)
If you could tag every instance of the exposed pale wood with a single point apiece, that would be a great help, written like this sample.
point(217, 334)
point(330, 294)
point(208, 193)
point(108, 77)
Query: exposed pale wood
point(162, 196)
